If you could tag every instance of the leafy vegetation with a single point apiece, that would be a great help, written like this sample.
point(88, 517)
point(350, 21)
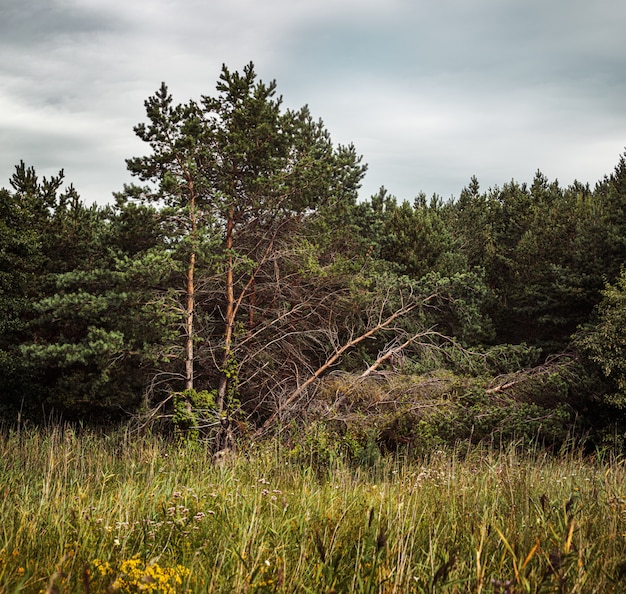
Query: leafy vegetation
point(88, 512)
point(240, 289)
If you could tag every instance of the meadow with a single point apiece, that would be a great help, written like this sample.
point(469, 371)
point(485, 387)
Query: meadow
point(87, 512)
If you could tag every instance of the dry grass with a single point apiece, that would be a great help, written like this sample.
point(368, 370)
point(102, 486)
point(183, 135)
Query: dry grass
point(91, 513)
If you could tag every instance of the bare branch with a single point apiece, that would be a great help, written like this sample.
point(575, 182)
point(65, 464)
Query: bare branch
point(336, 355)
point(393, 351)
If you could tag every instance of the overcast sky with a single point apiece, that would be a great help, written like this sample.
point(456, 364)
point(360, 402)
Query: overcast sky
point(430, 92)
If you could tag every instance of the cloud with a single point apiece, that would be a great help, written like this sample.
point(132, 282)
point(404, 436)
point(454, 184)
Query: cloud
point(430, 92)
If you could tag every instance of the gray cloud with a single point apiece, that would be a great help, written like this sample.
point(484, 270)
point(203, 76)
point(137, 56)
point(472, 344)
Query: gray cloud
point(34, 24)
point(430, 93)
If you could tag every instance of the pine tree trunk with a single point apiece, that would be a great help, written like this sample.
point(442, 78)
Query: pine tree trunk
point(229, 314)
point(190, 304)
point(189, 311)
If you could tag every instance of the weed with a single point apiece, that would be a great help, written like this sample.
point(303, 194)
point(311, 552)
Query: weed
point(91, 513)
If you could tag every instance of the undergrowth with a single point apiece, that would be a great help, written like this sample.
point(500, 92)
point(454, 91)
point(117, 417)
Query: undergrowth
point(85, 512)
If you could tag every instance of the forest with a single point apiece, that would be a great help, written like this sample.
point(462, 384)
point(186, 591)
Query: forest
point(239, 288)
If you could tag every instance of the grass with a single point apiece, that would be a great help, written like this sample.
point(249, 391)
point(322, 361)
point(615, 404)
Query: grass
point(94, 513)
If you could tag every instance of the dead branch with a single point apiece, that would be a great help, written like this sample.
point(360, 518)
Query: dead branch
point(393, 351)
point(333, 358)
point(556, 363)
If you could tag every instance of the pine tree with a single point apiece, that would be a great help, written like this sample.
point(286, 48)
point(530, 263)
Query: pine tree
point(244, 176)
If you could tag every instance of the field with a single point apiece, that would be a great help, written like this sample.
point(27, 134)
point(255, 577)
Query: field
point(120, 513)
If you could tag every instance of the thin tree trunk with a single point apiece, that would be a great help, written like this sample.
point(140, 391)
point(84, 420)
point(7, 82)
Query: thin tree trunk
point(189, 355)
point(229, 315)
point(233, 305)
point(252, 304)
point(190, 303)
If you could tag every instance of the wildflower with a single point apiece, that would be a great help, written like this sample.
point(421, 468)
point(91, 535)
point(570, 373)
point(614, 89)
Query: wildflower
point(103, 567)
point(133, 575)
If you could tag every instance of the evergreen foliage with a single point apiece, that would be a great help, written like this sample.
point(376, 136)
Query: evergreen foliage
point(241, 269)
point(604, 340)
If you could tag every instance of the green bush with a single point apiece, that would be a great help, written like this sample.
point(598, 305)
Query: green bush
point(419, 414)
point(193, 413)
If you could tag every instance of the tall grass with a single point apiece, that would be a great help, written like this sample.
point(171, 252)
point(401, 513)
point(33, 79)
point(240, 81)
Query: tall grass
point(94, 513)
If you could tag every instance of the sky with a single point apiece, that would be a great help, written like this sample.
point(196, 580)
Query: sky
point(430, 92)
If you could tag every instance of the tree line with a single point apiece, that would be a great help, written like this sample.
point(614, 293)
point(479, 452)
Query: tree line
point(241, 269)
